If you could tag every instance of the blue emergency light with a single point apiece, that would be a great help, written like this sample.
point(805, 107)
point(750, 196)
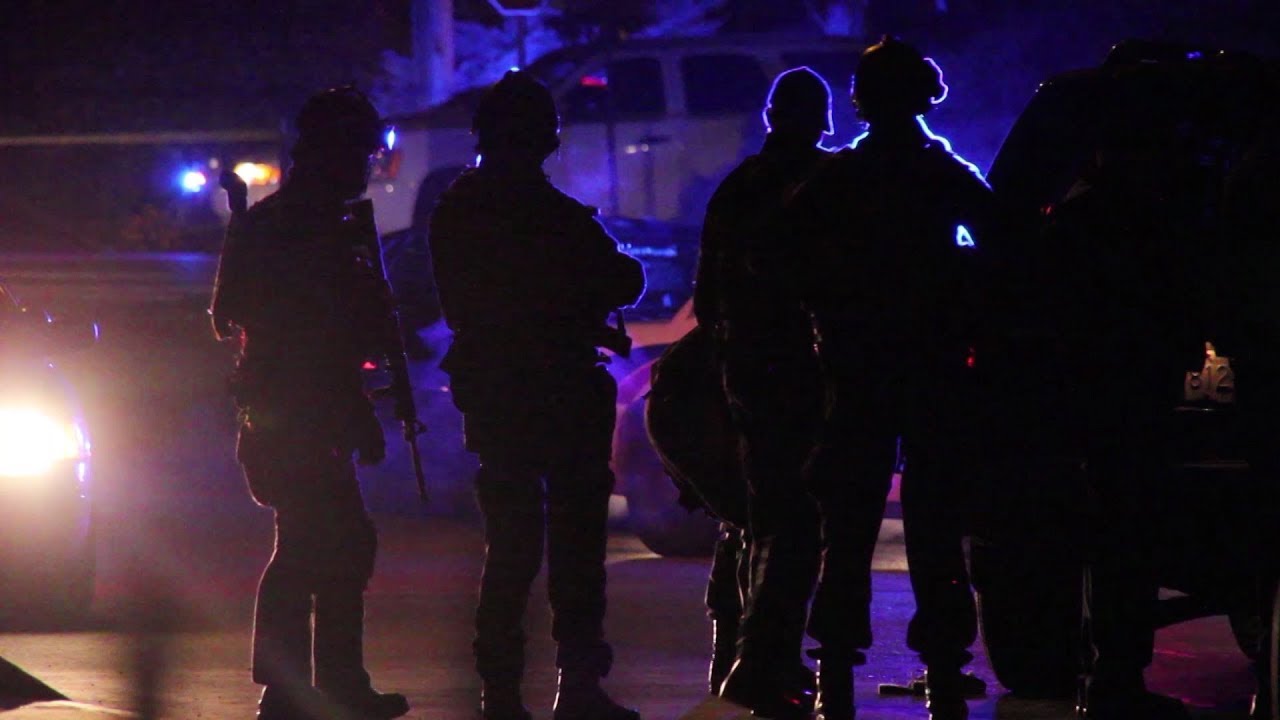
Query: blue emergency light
point(192, 181)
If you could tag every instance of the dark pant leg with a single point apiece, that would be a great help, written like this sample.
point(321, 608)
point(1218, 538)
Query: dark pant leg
point(935, 487)
point(777, 410)
point(577, 534)
point(282, 626)
point(339, 641)
point(1121, 591)
point(852, 475)
point(324, 540)
point(339, 594)
point(580, 415)
point(1120, 602)
point(511, 501)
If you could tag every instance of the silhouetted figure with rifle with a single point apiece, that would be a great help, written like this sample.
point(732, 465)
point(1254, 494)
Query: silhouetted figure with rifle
point(527, 280)
point(766, 565)
point(300, 287)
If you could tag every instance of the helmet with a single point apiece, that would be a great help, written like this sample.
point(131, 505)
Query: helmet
point(800, 98)
point(340, 116)
point(518, 112)
point(894, 80)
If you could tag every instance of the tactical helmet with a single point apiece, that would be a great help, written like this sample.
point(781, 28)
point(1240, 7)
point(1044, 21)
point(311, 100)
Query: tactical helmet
point(894, 80)
point(518, 112)
point(800, 98)
point(340, 116)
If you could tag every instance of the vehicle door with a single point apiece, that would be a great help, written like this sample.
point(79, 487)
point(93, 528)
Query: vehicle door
point(616, 151)
point(723, 93)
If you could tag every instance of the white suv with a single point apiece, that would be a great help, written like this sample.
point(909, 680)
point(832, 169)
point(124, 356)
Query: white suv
point(650, 127)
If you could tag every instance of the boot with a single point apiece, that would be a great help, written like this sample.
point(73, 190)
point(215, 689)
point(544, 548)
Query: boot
point(970, 686)
point(369, 704)
point(339, 657)
point(945, 694)
point(1260, 705)
point(502, 701)
point(803, 686)
point(280, 703)
point(766, 691)
point(835, 690)
point(580, 697)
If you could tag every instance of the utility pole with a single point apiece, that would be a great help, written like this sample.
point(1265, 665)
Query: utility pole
point(433, 51)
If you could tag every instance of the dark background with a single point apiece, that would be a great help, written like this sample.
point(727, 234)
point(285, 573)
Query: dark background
point(80, 66)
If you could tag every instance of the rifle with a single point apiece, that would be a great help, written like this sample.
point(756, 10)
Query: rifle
point(238, 203)
point(237, 191)
point(361, 214)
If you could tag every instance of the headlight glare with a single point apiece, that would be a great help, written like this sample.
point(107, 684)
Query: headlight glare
point(31, 442)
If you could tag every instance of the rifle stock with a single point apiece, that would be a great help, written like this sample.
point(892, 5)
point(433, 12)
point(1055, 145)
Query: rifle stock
point(237, 191)
point(397, 363)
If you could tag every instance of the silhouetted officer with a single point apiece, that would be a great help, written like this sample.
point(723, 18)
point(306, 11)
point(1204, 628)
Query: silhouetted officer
point(309, 308)
point(527, 278)
point(886, 231)
point(764, 341)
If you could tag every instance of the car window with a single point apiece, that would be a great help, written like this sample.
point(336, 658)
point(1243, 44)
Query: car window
point(631, 88)
point(723, 84)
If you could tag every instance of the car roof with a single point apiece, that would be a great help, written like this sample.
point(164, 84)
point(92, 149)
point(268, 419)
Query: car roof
point(456, 111)
point(1177, 89)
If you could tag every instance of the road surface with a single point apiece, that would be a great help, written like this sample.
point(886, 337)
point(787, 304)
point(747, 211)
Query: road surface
point(182, 545)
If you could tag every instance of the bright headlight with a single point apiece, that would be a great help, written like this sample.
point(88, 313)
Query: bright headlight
point(31, 442)
point(258, 173)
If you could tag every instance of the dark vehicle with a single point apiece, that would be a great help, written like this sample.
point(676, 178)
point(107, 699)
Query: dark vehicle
point(1220, 514)
point(46, 512)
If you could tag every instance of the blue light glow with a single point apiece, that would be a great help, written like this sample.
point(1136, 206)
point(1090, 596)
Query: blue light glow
point(963, 238)
point(945, 143)
point(764, 114)
point(945, 89)
point(192, 181)
point(390, 138)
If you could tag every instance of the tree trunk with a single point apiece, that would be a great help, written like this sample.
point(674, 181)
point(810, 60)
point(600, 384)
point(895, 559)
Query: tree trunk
point(433, 55)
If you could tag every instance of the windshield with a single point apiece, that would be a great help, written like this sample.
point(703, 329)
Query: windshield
point(555, 67)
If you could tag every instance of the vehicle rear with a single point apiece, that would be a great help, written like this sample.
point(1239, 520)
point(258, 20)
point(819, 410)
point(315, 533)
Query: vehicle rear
point(1211, 508)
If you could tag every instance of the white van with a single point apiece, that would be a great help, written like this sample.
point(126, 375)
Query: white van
point(650, 127)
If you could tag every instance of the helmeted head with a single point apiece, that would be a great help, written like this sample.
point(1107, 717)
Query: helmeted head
point(894, 81)
point(339, 132)
point(799, 103)
point(517, 117)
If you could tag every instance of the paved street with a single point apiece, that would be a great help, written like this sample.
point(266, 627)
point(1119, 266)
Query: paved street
point(419, 630)
point(181, 546)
